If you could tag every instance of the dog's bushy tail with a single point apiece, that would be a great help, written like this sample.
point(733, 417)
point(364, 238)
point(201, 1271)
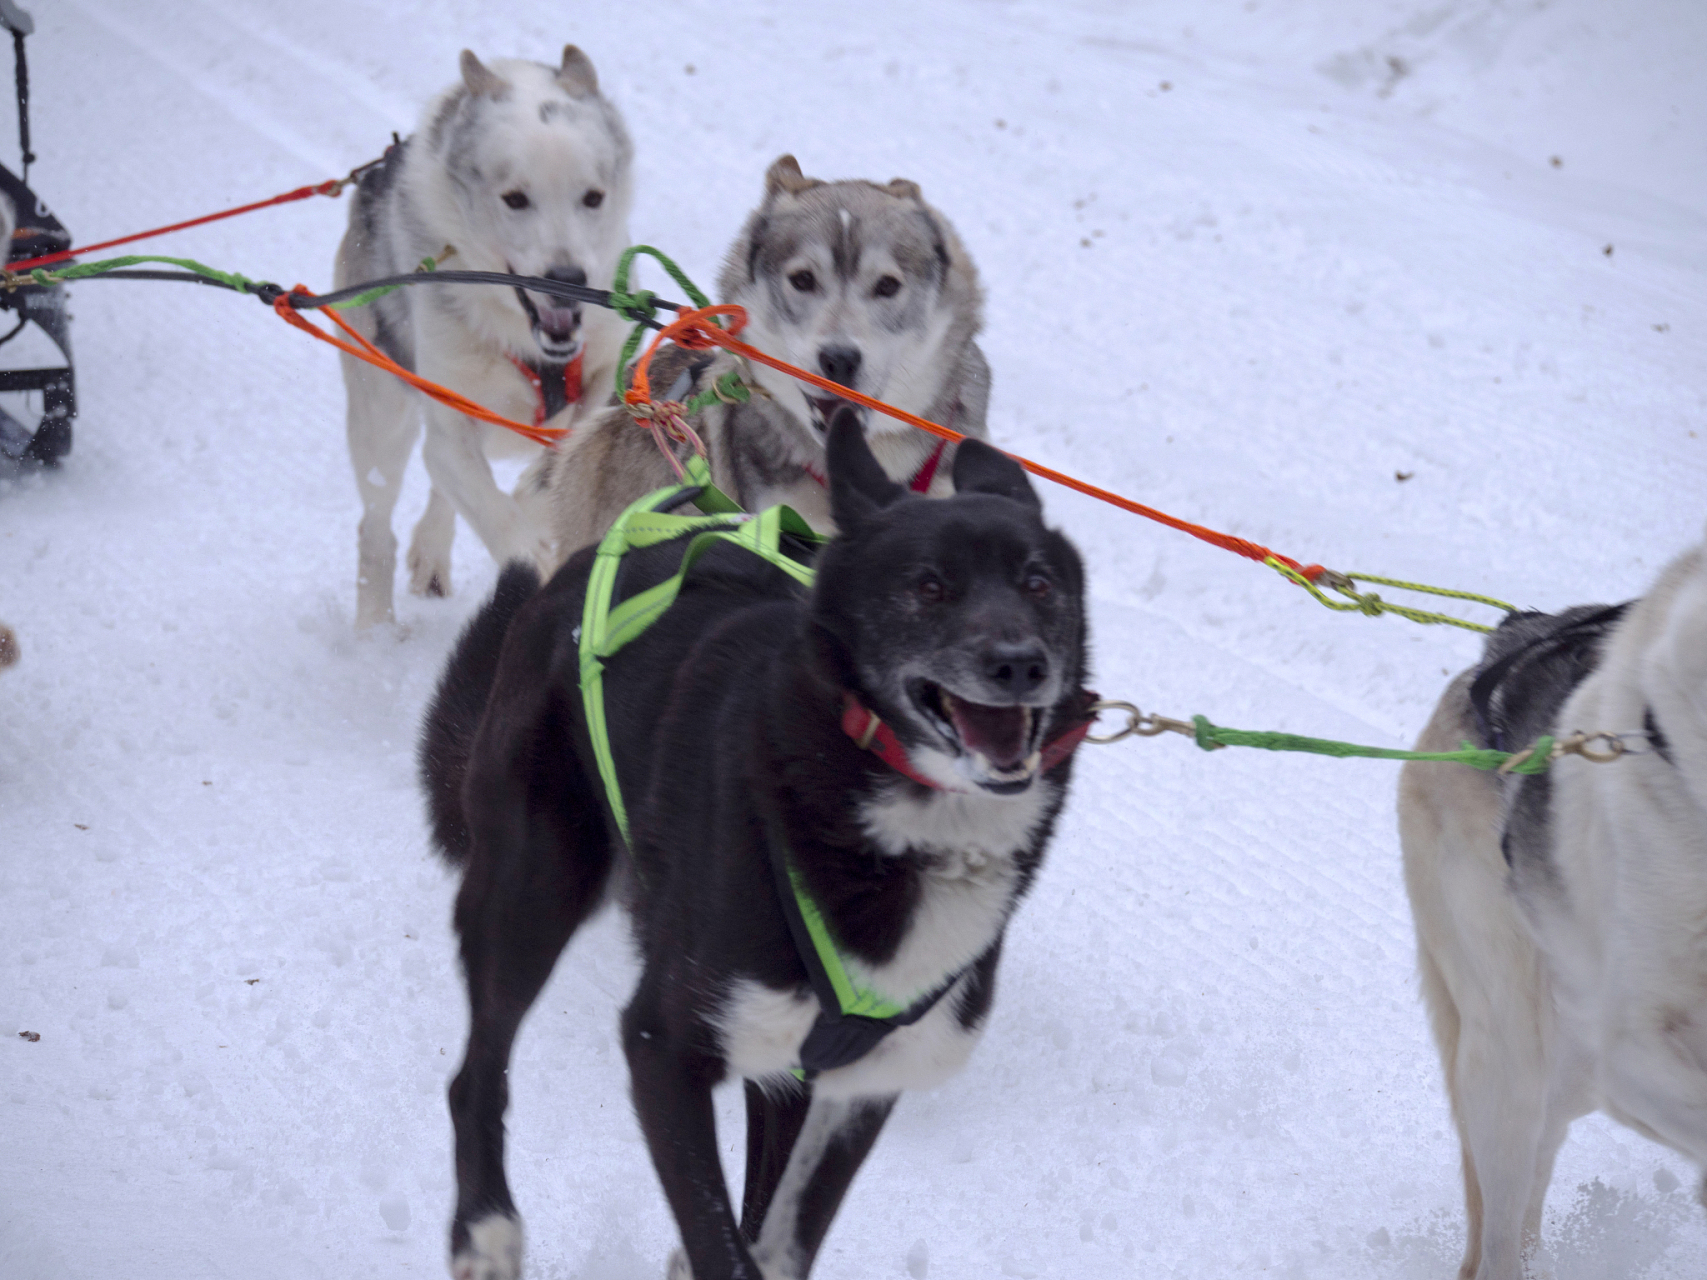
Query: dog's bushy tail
point(447, 734)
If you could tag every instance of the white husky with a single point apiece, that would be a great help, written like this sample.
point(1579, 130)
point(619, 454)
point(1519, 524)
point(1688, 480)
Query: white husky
point(521, 168)
point(1562, 918)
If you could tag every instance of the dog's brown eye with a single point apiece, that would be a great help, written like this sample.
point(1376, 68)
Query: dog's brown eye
point(593, 199)
point(932, 590)
point(887, 287)
point(804, 281)
point(516, 199)
point(1038, 587)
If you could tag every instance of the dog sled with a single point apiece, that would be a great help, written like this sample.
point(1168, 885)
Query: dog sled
point(49, 393)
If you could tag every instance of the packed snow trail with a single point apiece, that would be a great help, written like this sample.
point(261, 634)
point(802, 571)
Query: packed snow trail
point(1305, 273)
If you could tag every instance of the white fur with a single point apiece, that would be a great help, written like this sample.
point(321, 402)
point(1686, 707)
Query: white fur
point(494, 1250)
point(1552, 998)
point(538, 138)
point(777, 1252)
point(762, 1030)
point(967, 891)
point(967, 896)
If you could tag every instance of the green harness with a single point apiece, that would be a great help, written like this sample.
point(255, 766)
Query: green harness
point(606, 628)
point(852, 1018)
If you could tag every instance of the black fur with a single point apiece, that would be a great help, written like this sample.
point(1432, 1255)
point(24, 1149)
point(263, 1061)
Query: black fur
point(1530, 666)
point(392, 332)
point(725, 716)
point(447, 736)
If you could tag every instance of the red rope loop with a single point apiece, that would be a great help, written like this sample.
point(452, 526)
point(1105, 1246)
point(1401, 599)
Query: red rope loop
point(331, 187)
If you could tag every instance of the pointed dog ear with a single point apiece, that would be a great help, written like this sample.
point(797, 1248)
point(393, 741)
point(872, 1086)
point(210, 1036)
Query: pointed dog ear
point(482, 82)
point(858, 486)
point(982, 468)
point(784, 175)
point(576, 75)
point(905, 189)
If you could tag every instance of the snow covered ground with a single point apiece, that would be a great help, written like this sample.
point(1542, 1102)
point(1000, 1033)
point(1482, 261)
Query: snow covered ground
point(1248, 262)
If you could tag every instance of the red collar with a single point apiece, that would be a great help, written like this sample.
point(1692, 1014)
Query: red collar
point(921, 481)
point(869, 733)
point(543, 407)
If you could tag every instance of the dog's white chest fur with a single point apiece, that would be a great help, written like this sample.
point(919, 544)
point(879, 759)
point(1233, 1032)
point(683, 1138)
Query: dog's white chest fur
point(966, 895)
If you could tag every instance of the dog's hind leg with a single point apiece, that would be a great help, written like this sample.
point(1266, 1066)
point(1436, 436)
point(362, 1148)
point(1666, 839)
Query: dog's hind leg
point(429, 547)
point(1443, 1018)
point(828, 1150)
point(540, 856)
point(382, 424)
point(1489, 997)
point(513, 929)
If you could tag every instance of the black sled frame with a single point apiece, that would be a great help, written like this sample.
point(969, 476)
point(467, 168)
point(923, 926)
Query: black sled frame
point(37, 232)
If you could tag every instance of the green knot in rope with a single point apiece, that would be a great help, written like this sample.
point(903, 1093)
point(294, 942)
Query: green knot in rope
point(640, 306)
point(728, 389)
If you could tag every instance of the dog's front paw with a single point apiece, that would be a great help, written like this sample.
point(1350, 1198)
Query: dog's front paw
point(429, 575)
point(493, 1251)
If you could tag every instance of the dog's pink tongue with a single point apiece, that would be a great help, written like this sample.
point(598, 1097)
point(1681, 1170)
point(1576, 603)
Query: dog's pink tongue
point(998, 733)
point(558, 322)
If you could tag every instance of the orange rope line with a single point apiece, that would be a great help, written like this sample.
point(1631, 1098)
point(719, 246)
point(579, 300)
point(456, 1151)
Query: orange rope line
point(365, 350)
point(698, 329)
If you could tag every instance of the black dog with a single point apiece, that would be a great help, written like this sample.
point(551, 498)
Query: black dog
point(745, 733)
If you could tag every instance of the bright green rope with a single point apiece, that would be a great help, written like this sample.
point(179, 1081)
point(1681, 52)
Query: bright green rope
point(1211, 736)
point(83, 270)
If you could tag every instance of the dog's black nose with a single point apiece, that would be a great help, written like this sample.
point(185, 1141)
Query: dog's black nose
point(566, 275)
point(839, 364)
point(1016, 669)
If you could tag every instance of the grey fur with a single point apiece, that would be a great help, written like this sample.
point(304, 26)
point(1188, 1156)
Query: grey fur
point(917, 350)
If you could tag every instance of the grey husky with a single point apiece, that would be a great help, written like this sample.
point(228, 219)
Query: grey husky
point(867, 285)
point(1560, 917)
point(520, 168)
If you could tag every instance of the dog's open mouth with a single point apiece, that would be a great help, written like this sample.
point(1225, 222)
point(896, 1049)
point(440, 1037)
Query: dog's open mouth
point(557, 329)
point(1000, 742)
point(558, 332)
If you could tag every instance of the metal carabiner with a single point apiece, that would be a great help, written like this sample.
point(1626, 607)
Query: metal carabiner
point(1134, 718)
point(1137, 722)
